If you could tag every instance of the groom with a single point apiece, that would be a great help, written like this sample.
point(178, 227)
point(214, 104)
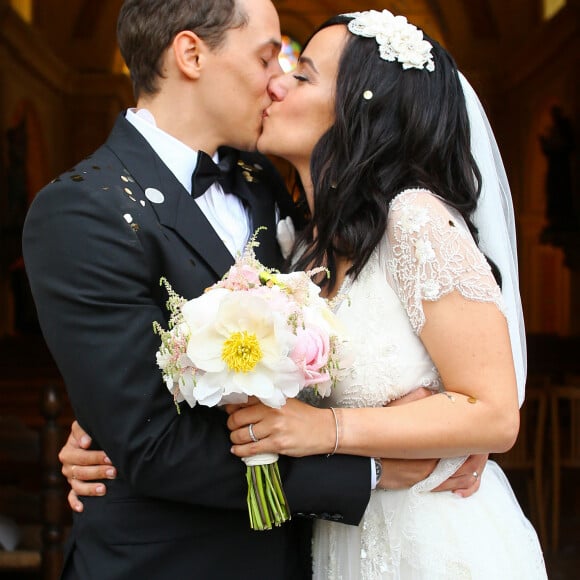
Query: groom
point(96, 242)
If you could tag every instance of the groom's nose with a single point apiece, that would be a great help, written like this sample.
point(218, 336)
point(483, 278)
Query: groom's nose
point(277, 88)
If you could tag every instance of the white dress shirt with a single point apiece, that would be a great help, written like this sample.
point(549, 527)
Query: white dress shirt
point(224, 211)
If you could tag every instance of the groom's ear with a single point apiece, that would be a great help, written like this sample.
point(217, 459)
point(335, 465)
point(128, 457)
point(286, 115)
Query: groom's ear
point(189, 52)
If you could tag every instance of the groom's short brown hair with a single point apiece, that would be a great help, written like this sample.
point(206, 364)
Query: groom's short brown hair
point(146, 28)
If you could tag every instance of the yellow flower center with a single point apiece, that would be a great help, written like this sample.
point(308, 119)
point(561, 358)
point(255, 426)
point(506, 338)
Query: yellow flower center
point(241, 352)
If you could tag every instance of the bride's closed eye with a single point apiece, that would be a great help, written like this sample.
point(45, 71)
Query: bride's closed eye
point(301, 78)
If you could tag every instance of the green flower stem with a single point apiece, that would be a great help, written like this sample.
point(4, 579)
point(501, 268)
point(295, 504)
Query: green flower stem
point(254, 488)
point(267, 503)
point(279, 489)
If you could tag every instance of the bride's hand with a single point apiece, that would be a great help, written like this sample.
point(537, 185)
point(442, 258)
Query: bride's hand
point(296, 429)
point(231, 408)
point(82, 467)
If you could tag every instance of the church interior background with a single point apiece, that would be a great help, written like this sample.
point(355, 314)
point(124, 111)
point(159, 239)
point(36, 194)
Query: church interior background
point(63, 82)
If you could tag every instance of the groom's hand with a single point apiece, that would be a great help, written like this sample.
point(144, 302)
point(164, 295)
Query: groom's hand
point(467, 479)
point(404, 473)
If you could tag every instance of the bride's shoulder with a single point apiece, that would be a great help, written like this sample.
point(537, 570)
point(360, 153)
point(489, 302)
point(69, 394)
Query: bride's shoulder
point(413, 209)
point(417, 199)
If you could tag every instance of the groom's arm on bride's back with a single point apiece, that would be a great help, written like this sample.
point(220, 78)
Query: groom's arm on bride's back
point(86, 469)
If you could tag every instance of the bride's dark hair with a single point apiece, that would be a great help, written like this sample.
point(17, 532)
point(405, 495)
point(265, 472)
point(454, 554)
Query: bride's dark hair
point(413, 132)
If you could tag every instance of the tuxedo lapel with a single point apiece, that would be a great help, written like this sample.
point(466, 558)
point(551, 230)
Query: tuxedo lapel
point(257, 196)
point(261, 214)
point(175, 207)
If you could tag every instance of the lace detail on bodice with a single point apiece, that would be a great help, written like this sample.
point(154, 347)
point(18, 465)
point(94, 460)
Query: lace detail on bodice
point(375, 371)
point(432, 253)
point(426, 253)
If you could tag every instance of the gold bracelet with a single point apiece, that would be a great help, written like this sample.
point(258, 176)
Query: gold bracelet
point(337, 431)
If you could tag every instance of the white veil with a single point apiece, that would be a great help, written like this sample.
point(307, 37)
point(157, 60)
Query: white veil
point(494, 218)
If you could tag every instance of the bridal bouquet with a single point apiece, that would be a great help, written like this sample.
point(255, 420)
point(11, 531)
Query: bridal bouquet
point(257, 332)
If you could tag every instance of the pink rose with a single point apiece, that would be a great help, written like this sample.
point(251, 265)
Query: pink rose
point(311, 354)
point(278, 300)
point(241, 277)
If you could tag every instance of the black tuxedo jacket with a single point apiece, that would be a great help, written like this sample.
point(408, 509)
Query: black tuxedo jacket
point(96, 242)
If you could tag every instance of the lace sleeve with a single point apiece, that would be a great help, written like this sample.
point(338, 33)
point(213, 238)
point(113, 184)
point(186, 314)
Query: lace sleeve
point(430, 253)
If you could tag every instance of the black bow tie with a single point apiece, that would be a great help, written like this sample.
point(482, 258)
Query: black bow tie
point(207, 172)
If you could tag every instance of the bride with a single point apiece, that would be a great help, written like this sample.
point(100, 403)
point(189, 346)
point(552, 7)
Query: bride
point(385, 134)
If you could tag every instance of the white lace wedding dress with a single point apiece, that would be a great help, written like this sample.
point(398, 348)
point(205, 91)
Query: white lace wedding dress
point(414, 534)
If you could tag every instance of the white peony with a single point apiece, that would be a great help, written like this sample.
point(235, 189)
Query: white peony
point(244, 350)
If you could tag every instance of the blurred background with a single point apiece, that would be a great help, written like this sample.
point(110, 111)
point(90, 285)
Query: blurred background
point(63, 82)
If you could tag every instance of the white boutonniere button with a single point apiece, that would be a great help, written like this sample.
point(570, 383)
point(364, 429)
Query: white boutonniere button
point(286, 236)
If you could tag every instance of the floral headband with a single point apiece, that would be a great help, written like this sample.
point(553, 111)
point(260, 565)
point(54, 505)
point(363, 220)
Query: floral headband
point(398, 40)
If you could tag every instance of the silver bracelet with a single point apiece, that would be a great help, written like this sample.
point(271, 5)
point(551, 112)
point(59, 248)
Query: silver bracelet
point(336, 425)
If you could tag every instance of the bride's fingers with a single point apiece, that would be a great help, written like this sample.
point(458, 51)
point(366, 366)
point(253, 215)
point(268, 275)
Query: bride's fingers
point(89, 472)
point(249, 449)
point(232, 408)
point(73, 459)
point(74, 502)
point(243, 416)
point(243, 435)
point(80, 436)
point(82, 488)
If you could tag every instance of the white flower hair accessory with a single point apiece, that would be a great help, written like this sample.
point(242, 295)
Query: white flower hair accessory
point(398, 40)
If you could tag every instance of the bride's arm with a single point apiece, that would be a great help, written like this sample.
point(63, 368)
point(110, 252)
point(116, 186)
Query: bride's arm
point(469, 343)
point(452, 303)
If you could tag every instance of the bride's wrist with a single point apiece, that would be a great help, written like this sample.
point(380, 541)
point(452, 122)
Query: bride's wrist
point(335, 431)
